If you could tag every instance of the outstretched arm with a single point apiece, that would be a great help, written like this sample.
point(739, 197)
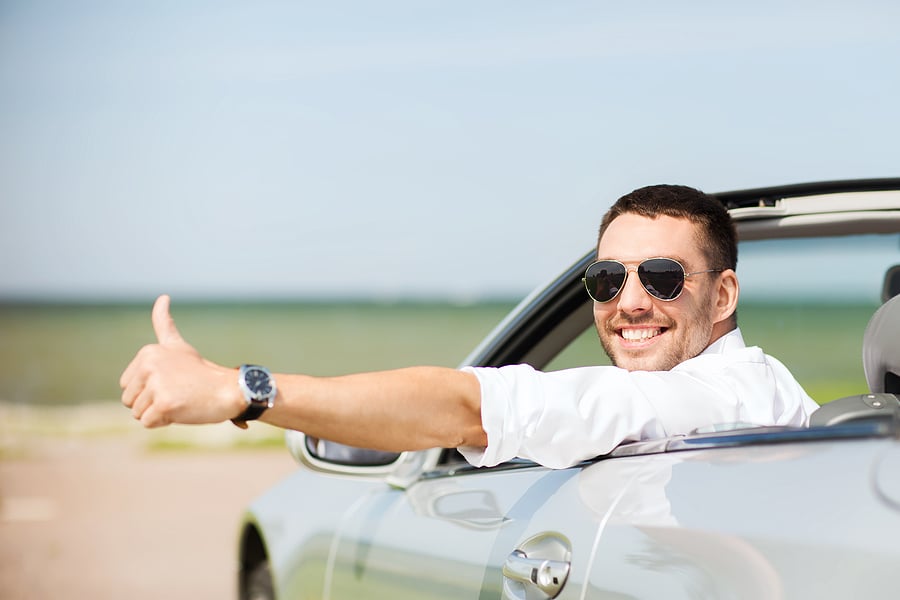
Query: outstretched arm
point(405, 409)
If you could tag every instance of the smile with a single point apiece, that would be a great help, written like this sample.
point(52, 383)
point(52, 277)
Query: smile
point(640, 334)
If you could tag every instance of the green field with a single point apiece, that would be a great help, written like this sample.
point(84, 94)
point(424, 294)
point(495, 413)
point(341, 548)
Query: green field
point(75, 354)
point(54, 354)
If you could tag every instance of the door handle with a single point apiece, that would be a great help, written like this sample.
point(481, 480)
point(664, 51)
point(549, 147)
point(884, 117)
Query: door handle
point(548, 576)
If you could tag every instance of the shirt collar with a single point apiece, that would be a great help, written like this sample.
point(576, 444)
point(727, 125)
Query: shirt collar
point(733, 340)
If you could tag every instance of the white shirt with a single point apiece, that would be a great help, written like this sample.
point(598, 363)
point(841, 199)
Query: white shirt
point(560, 418)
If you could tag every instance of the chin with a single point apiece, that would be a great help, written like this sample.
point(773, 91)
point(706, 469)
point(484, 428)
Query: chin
point(639, 365)
point(644, 363)
point(655, 357)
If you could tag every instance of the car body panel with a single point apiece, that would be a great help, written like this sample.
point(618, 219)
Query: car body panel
point(772, 521)
point(745, 521)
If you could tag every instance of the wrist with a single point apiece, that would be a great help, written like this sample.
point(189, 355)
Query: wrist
point(257, 391)
point(230, 395)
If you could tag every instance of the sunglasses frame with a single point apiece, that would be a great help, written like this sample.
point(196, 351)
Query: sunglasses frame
point(628, 271)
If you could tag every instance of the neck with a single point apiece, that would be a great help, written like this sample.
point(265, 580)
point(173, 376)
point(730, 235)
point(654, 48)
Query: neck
point(720, 329)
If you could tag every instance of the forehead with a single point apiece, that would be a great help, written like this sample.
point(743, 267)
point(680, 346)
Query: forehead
point(633, 237)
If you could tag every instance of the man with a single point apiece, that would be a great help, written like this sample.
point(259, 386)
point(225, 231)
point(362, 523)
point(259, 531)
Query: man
point(665, 294)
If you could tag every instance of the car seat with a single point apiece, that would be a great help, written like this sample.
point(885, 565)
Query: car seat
point(881, 349)
point(881, 365)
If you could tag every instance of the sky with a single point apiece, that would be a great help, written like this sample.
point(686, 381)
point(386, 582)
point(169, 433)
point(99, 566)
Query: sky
point(395, 149)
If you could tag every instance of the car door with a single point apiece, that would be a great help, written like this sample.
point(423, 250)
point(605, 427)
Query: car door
point(452, 535)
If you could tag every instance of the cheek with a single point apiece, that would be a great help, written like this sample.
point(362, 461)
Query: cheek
point(602, 314)
point(700, 323)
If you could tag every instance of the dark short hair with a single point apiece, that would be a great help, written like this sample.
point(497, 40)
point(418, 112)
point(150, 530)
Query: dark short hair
point(718, 238)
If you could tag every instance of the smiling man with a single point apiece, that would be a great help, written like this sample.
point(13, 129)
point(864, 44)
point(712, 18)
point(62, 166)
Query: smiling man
point(665, 294)
point(646, 233)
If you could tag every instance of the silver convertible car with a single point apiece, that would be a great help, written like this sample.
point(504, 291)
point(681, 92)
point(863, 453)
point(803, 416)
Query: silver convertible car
point(732, 511)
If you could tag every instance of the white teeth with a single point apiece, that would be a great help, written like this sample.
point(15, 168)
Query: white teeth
point(635, 335)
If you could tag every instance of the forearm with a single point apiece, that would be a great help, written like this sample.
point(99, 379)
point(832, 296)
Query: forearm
point(404, 409)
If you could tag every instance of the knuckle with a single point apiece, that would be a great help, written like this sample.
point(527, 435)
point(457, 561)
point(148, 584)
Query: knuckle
point(150, 419)
point(164, 407)
point(148, 352)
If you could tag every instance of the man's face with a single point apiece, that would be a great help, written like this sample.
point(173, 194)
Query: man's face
point(640, 332)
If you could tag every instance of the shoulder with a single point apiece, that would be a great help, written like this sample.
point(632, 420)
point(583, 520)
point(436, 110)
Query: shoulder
point(729, 349)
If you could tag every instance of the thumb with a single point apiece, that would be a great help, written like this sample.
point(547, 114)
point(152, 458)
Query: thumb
point(163, 324)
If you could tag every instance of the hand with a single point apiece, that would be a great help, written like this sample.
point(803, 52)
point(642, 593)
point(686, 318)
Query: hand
point(169, 382)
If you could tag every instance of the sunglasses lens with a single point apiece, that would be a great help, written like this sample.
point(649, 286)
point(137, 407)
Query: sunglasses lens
point(662, 277)
point(604, 279)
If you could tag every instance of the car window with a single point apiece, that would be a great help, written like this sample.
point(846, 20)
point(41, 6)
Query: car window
point(805, 301)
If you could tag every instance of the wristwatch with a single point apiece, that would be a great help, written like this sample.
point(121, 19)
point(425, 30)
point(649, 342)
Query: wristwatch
point(258, 387)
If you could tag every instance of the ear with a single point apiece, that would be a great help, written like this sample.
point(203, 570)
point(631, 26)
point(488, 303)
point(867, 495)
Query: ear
point(726, 295)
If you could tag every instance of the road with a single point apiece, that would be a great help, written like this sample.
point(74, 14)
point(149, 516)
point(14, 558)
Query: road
point(100, 511)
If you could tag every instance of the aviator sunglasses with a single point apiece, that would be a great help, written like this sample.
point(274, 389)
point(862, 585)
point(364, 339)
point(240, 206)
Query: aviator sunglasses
point(663, 278)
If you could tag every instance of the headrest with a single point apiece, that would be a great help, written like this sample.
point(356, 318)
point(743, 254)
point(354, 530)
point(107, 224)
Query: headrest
point(881, 349)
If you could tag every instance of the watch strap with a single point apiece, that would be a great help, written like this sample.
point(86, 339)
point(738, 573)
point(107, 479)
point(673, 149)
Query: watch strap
point(253, 412)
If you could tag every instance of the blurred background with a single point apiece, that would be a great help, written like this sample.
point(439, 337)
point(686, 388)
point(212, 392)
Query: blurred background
point(343, 186)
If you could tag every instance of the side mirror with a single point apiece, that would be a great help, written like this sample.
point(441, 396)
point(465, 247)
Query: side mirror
point(396, 469)
point(340, 454)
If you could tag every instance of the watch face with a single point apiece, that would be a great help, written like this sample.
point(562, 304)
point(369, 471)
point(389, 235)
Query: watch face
point(258, 382)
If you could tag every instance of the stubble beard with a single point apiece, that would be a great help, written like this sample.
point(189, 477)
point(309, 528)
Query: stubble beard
point(678, 346)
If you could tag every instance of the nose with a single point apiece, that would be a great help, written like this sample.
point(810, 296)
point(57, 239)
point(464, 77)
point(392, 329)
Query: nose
point(633, 298)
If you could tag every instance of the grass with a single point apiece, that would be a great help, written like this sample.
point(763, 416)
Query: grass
point(185, 444)
point(68, 355)
point(72, 355)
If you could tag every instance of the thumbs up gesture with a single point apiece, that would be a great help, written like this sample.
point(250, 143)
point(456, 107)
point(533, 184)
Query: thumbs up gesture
point(169, 382)
point(163, 323)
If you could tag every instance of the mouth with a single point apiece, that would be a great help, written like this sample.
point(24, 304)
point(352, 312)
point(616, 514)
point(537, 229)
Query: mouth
point(640, 336)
